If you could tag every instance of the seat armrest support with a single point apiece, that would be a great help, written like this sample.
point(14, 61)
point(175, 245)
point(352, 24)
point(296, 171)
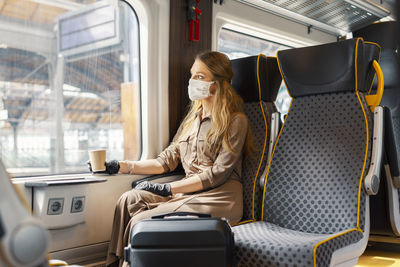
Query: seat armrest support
point(275, 123)
point(371, 182)
point(390, 149)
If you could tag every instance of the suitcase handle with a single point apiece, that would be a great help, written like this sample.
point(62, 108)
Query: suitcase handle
point(181, 213)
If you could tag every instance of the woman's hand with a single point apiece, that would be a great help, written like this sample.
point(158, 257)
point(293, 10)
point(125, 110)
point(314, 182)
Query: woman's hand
point(112, 167)
point(156, 188)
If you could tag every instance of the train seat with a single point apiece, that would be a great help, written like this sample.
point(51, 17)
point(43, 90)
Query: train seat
point(315, 211)
point(257, 80)
point(386, 206)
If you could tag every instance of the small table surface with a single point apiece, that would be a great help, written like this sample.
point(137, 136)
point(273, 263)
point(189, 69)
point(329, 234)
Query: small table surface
point(66, 181)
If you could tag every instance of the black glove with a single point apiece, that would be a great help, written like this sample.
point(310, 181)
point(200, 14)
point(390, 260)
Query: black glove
point(112, 167)
point(159, 189)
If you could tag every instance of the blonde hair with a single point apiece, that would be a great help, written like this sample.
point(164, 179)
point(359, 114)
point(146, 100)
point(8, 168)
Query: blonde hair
point(226, 103)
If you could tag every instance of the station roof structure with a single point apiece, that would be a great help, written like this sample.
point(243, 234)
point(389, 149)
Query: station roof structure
point(27, 48)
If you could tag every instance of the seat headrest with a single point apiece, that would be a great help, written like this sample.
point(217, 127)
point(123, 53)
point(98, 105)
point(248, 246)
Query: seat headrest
point(385, 34)
point(256, 75)
point(390, 64)
point(329, 68)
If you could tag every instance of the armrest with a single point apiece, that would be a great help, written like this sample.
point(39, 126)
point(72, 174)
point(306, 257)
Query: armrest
point(275, 127)
point(371, 182)
point(390, 149)
point(162, 178)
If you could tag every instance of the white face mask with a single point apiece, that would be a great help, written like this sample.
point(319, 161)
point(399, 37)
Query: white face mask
point(199, 89)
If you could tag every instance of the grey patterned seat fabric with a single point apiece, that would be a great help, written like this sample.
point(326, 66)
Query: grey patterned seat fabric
point(257, 80)
point(314, 210)
point(267, 244)
point(385, 35)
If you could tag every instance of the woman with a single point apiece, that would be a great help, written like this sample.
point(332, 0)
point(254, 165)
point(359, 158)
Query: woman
point(209, 143)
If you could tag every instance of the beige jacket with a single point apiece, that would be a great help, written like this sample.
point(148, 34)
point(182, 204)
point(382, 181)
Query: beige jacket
point(213, 167)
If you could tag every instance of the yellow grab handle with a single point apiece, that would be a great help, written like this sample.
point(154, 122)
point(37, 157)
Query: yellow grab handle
point(375, 100)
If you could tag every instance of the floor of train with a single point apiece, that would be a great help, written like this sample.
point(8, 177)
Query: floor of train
point(374, 256)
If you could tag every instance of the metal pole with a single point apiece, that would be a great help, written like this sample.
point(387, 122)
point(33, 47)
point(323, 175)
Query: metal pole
point(58, 83)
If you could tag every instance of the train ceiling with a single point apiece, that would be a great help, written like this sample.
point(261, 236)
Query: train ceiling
point(333, 16)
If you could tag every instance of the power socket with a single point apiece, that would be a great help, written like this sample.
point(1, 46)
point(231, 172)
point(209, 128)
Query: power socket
point(55, 206)
point(78, 204)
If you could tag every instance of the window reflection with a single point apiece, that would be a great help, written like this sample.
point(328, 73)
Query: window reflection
point(237, 45)
point(57, 104)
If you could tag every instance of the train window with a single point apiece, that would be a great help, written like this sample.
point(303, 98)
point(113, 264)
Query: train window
point(236, 45)
point(64, 68)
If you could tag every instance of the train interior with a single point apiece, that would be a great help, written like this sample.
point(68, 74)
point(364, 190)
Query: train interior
point(82, 75)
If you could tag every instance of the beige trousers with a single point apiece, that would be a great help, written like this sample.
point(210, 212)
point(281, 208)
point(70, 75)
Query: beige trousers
point(135, 205)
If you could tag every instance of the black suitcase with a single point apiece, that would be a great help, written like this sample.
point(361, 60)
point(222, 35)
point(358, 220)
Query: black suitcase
point(181, 239)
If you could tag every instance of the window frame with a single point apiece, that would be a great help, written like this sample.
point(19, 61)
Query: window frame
point(154, 21)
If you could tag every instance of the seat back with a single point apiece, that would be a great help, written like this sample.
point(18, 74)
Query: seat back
point(385, 34)
point(257, 80)
point(321, 156)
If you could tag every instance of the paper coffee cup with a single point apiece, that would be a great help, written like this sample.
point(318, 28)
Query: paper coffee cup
point(97, 160)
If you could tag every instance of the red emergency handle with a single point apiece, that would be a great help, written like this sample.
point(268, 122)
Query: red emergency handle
point(194, 33)
point(194, 26)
